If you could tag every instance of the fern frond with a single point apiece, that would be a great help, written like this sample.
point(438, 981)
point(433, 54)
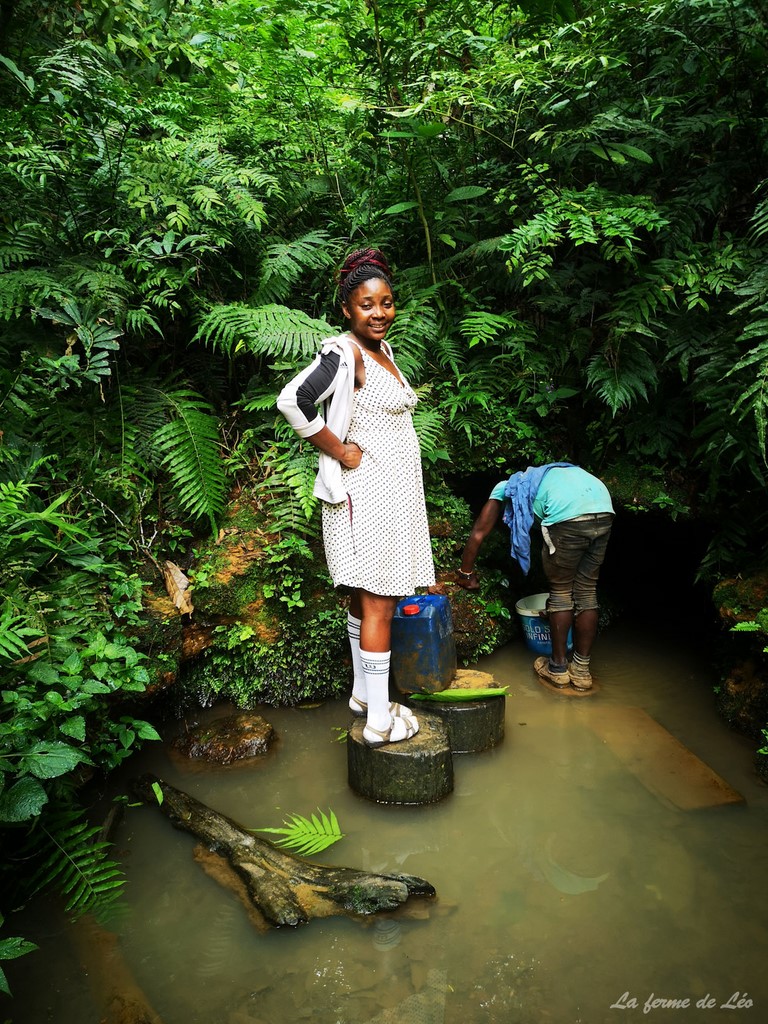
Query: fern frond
point(76, 865)
point(759, 224)
point(481, 327)
point(287, 490)
point(25, 289)
point(429, 424)
point(754, 396)
point(285, 262)
point(15, 633)
point(190, 450)
point(94, 331)
point(413, 336)
point(21, 243)
point(622, 375)
point(77, 65)
point(307, 836)
point(271, 330)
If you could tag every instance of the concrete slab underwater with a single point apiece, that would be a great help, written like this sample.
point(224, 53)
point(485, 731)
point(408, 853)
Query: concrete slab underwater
point(666, 767)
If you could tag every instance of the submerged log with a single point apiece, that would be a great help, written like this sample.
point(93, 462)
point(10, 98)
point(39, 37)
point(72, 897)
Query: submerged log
point(282, 888)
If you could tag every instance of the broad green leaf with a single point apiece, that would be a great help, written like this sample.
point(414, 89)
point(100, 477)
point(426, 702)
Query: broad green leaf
point(43, 672)
point(74, 727)
point(49, 760)
point(400, 208)
point(23, 801)
point(73, 664)
point(13, 946)
point(465, 192)
point(18, 74)
point(431, 131)
point(145, 731)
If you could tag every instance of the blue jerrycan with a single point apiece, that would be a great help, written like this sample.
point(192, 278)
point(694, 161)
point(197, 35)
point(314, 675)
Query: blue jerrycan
point(423, 644)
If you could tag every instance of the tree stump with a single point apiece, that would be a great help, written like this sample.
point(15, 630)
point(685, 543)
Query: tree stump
point(473, 725)
point(416, 771)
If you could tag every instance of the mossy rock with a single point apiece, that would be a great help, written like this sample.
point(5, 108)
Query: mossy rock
point(633, 488)
point(160, 638)
point(268, 626)
point(742, 697)
point(476, 630)
point(226, 740)
point(741, 598)
point(226, 575)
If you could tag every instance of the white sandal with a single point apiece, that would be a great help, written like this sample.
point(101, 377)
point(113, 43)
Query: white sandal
point(357, 707)
point(400, 729)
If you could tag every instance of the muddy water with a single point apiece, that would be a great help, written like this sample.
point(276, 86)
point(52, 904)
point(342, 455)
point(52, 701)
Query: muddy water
point(568, 891)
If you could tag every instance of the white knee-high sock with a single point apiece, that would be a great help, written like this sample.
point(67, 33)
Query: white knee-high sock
point(376, 668)
point(359, 688)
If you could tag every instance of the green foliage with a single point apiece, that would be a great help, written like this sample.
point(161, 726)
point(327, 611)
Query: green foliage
point(283, 577)
point(76, 865)
point(307, 836)
point(290, 467)
point(306, 661)
point(265, 330)
point(573, 197)
point(65, 665)
point(450, 521)
point(11, 947)
point(189, 446)
point(758, 625)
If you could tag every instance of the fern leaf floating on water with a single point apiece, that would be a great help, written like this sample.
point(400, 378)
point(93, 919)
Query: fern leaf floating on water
point(307, 836)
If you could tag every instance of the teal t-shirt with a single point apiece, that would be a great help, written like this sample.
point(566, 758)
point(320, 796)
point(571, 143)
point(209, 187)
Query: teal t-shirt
point(564, 493)
point(567, 492)
point(498, 491)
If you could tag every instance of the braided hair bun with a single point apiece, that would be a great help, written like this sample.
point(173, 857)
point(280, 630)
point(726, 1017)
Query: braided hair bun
point(361, 265)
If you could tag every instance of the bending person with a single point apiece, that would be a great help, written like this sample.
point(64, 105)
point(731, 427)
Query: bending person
point(369, 479)
point(575, 511)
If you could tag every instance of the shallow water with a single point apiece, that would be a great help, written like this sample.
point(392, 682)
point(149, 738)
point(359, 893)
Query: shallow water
point(567, 891)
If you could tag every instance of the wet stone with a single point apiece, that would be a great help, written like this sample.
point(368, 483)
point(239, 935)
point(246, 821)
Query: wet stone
point(227, 739)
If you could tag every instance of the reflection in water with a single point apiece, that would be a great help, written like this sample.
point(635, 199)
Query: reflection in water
point(566, 889)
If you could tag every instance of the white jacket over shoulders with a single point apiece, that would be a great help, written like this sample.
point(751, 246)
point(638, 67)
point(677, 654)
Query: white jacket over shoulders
point(337, 399)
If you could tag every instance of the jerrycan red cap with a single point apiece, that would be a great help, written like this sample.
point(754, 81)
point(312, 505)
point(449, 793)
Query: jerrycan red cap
point(411, 609)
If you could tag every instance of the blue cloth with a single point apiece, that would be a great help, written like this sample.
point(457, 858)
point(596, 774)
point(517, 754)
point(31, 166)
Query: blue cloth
point(519, 495)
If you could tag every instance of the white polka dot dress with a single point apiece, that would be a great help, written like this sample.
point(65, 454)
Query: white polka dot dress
point(378, 539)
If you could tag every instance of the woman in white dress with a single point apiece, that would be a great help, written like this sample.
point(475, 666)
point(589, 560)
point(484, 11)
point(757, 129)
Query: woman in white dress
point(369, 479)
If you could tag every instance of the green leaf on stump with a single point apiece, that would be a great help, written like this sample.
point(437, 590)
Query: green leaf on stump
point(460, 696)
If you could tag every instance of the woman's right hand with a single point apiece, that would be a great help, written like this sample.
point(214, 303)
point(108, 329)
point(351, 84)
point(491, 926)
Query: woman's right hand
point(352, 456)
